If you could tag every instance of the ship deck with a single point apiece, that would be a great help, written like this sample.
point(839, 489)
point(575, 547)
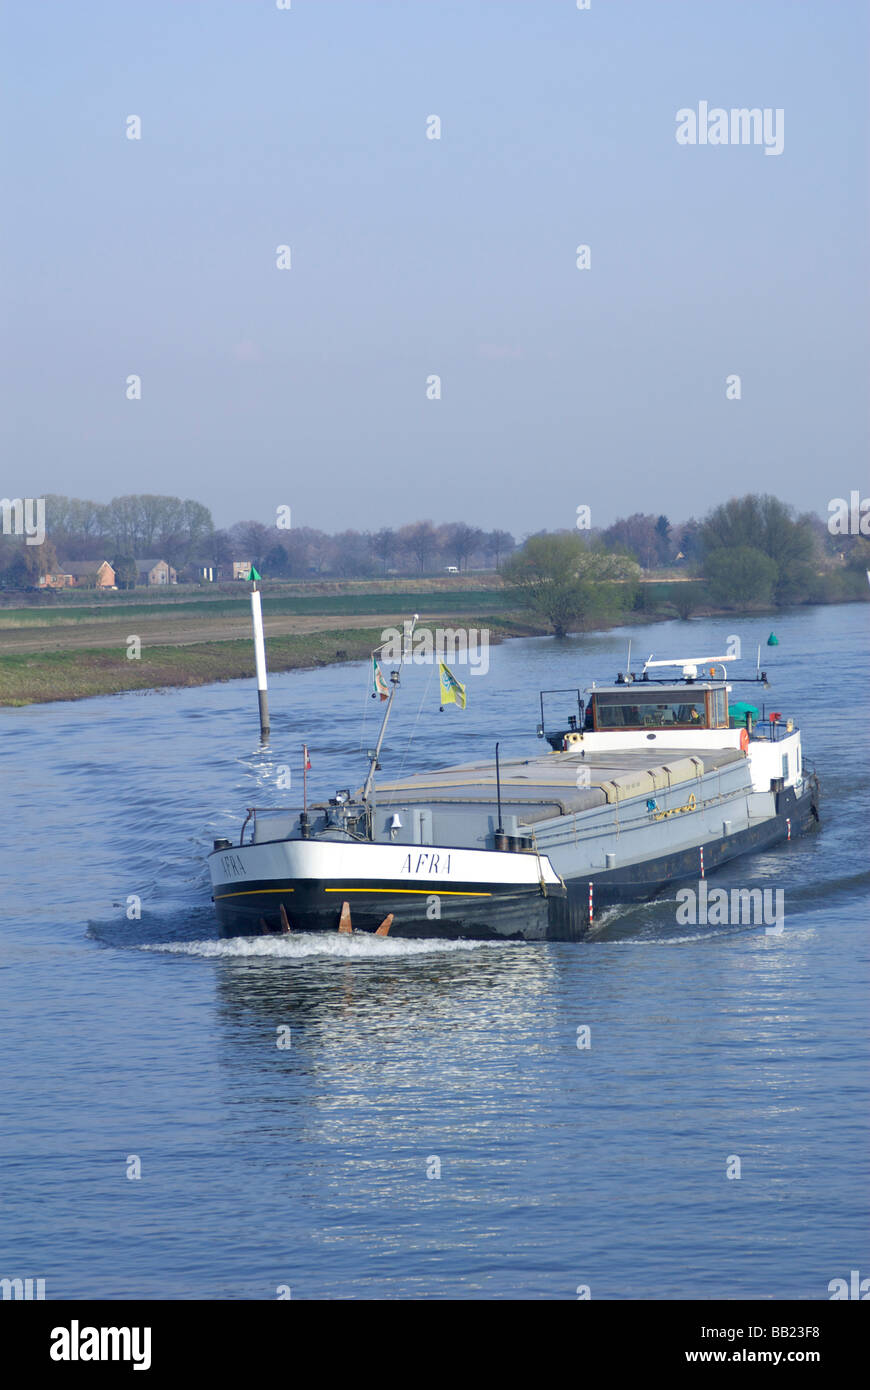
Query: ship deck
point(547, 785)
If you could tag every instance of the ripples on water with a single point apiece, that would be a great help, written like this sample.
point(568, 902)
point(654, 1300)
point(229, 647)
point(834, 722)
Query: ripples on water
point(307, 1165)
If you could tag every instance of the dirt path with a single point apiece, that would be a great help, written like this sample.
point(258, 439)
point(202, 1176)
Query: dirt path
point(184, 631)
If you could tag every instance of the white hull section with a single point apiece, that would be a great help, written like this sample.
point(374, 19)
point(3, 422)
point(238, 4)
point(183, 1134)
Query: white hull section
point(427, 868)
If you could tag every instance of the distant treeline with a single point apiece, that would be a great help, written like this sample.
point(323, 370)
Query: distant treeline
point(750, 552)
point(183, 533)
point(753, 549)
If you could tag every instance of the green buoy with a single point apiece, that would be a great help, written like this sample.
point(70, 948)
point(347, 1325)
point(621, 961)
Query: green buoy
point(773, 640)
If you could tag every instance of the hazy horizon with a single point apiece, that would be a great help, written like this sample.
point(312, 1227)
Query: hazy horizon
point(412, 257)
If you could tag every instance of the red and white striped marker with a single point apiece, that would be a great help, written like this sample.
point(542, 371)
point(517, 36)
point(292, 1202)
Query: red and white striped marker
point(702, 861)
point(590, 902)
point(788, 828)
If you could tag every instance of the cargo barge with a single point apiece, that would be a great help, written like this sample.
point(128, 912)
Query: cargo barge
point(646, 783)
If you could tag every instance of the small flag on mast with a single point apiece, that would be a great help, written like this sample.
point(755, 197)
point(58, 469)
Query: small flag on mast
point(379, 685)
point(452, 690)
point(306, 768)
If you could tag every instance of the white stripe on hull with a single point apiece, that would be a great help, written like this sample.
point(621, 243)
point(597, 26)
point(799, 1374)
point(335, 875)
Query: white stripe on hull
point(434, 866)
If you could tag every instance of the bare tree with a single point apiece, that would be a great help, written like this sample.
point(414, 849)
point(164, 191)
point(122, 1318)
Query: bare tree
point(498, 545)
point(385, 546)
point(420, 541)
point(459, 542)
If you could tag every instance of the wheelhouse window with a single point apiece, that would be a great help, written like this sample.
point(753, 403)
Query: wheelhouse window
point(636, 708)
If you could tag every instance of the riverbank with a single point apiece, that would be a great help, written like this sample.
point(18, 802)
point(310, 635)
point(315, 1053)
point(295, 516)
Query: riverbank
point(79, 670)
point(73, 651)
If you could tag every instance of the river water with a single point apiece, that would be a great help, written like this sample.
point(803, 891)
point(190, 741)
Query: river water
point(433, 1129)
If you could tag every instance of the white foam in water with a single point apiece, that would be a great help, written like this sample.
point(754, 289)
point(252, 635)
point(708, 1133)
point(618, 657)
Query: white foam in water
point(702, 934)
point(604, 917)
point(303, 945)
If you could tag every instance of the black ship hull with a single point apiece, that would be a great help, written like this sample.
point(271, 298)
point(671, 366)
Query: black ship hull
point(541, 911)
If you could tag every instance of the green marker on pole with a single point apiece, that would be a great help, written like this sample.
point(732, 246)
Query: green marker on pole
point(773, 640)
point(254, 575)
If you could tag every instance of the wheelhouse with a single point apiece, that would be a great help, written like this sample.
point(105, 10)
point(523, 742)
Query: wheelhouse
point(641, 706)
point(661, 707)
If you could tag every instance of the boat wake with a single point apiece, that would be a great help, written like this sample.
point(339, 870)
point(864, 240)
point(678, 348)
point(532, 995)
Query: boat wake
point(607, 917)
point(308, 945)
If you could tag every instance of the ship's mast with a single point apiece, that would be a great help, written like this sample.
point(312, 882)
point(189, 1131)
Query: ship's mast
point(373, 756)
point(394, 681)
point(690, 664)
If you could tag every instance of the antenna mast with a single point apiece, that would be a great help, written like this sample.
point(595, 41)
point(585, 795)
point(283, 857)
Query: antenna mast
point(407, 634)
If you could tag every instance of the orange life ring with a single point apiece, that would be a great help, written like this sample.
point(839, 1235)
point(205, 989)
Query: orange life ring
point(744, 740)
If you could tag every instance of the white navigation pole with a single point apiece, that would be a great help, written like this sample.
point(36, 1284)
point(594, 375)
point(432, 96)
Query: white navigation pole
point(259, 654)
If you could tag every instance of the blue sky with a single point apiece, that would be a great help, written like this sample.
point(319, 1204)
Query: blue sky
point(413, 257)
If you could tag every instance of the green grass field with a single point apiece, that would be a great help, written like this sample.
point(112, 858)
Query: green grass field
point(75, 675)
point(350, 605)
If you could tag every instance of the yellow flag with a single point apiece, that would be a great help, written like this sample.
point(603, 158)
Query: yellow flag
point(452, 690)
